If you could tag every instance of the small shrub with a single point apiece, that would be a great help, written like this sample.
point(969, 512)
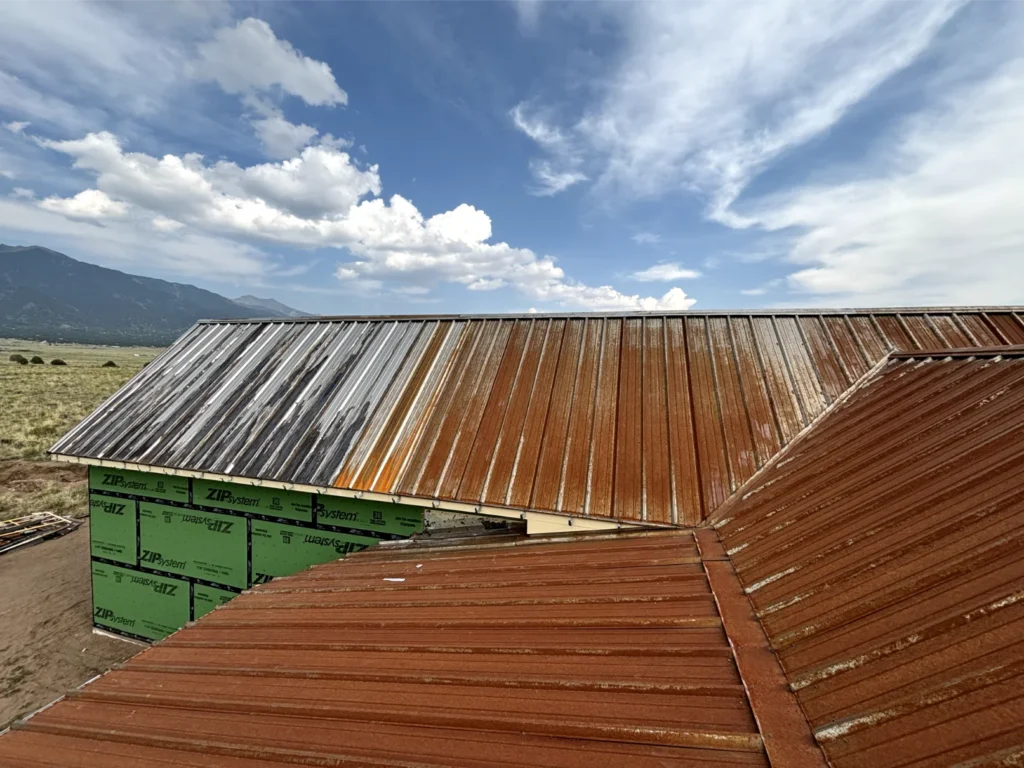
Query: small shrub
point(109, 364)
point(57, 361)
point(37, 360)
point(19, 359)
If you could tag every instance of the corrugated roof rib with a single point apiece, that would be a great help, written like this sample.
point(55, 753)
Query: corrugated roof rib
point(883, 556)
point(606, 650)
point(647, 418)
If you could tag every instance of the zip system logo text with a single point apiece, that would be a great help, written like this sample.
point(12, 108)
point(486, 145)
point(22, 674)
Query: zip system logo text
point(338, 514)
point(110, 507)
point(119, 481)
point(160, 587)
point(224, 496)
point(217, 526)
point(341, 547)
point(155, 558)
point(109, 617)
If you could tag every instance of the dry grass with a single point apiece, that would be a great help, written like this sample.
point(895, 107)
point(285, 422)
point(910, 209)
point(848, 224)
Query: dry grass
point(43, 486)
point(38, 404)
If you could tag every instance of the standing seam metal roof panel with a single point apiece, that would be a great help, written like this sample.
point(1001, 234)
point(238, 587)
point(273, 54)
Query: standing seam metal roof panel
point(654, 418)
point(883, 554)
point(600, 651)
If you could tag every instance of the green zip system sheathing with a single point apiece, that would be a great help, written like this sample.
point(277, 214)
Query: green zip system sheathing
point(187, 542)
point(205, 599)
point(278, 550)
point(138, 604)
point(167, 550)
point(113, 529)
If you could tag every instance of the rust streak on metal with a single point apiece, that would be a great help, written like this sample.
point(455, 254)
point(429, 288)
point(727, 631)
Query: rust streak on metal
point(628, 480)
point(883, 558)
point(511, 647)
point(477, 471)
point(601, 467)
point(572, 492)
point(547, 479)
point(645, 417)
point(687, 501)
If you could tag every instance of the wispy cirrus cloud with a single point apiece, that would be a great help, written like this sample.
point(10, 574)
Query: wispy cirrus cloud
point(705, 97)
point(705, 94)
point(561, 169)
point(933, 216)
point(75, 68)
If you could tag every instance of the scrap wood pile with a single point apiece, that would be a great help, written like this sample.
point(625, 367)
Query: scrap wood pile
point(32, 529)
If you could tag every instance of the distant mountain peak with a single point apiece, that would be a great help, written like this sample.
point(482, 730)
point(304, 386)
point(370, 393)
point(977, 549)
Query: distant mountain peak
point(51, 296)
point(272, 306)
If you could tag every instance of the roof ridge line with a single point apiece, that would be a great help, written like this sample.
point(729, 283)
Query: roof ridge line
point(786, 732)
point(787, 312)
point(1011, 350)
point(716, 517)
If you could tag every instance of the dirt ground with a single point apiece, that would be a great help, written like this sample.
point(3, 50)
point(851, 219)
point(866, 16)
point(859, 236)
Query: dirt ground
point(46, 642)
point(43, 486)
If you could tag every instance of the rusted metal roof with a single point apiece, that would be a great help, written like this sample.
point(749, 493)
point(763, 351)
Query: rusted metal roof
point(603, 650)
point(884, 554)
point(863, 591)
point(649, 418)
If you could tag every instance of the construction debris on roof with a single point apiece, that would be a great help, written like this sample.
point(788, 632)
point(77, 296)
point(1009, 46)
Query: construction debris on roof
point(884, 554)
point(32, 529)
point(604, 651)
point(652, 419)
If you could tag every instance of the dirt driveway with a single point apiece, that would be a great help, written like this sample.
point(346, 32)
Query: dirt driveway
point(46, 642)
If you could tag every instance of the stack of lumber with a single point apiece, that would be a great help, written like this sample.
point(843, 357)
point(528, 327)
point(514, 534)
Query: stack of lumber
point(32, 529)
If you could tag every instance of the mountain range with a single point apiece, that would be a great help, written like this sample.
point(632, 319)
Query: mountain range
point(270, 307)
point(49, 296)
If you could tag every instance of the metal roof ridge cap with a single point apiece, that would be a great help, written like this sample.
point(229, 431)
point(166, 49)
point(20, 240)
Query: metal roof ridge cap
point(716, 518)
point(624, 314)
point(786, 733)
point(503, 540)
point(1011, 350)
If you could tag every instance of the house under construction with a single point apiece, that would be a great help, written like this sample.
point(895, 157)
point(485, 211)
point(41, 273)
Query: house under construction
point(774, 539)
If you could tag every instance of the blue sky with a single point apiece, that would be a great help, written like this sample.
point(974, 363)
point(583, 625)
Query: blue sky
point(432, 157)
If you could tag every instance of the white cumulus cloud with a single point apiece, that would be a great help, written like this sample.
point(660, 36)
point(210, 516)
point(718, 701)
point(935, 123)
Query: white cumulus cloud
point(324, 199)
point(281, 138)
point(88, 204)
point(163, 224)
point(249, 57)
point(665, 272)
point(121, 240)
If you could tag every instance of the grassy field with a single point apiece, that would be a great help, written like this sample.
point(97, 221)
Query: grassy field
point(38, 404)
